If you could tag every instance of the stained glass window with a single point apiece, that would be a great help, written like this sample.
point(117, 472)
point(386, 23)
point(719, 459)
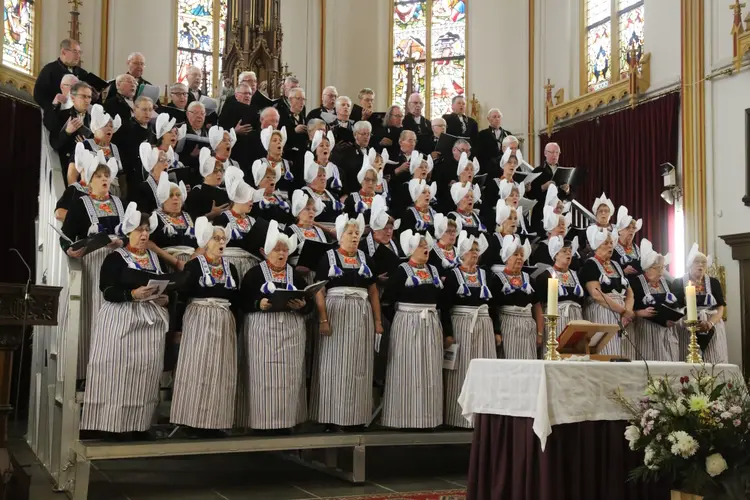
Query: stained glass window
point(18, 35)
point(613, 27)
point(431, 60)
point(197, 44)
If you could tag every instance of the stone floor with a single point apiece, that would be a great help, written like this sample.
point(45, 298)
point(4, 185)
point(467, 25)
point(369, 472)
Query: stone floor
point(267, 476)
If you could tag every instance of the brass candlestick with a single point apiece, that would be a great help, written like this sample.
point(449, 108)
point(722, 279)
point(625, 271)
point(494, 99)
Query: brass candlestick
point(694, 351)
point(550, 320)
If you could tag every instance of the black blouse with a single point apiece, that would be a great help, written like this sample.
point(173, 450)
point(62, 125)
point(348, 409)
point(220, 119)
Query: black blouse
point(117, 280)
point(332, 206)
point(195, 289)
point(144, 194)
point(678, 288)
point(276, 208)
point(78, 221)
point(349, 267)
point(568, 282)
point(70, 195)
point(444, 261)
point(517, 296)
point(356, 204)
point(251, 293)
point(240, 227)
point(174, 231)
point(426, 292)
point(590, 272)
point(625, 258)
point(450, 296)
point(469, 223)
point(201, 198)
point(419, 222)
point(659, 295)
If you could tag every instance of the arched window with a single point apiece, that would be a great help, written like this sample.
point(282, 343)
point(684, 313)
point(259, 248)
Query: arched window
point(602, 39)
point(18, 36)
point(201, 34)
point(429, 48)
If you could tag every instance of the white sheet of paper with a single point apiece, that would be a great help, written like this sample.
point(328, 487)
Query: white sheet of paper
point(596, 338)
point(450, 355)
point(160, 286)
point(60, 233)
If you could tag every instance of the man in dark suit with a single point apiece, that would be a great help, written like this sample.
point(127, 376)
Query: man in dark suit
point(121, 102)
point(343, 127)
point(136, 64)
point(348, 155)
point(540, 185)
point(293, 118)
point(237, 113)
point(489, 146)
point(194, 78)
point(366, 106)
point(388, 135)
point(458, 123)
point(196, 125)
point(129, 138)
point(414, 120)
point(328, 103)
point(178, 101)
point(70, 126)
point(47, 84)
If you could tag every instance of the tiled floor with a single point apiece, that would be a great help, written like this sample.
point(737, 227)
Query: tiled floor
point(267, 476)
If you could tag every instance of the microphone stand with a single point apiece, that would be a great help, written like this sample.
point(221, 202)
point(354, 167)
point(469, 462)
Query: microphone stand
point(623, 333)
point(24, 320)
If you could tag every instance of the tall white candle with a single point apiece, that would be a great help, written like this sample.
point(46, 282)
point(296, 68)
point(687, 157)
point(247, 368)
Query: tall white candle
point(552, 296)
point(692, 308)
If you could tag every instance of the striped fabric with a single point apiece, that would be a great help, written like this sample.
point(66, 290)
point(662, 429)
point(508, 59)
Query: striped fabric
point(656, 342)
point(206, 376)
point(275, 371)
point(91, 301)
point(182, 254)
point(717, 350)
point(127, 357)
point(414, 377)
point(472, 331)
point(518, 329)
point(599, 314)
point(341, 391)
point(241, 259)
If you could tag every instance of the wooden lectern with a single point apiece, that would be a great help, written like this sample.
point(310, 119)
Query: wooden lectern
point(581, 338)
point(17, 311)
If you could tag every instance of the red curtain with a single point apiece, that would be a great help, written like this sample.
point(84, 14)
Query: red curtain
point(621, 154)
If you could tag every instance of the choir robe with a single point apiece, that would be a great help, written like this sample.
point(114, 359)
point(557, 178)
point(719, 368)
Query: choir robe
point(423, 128)
point(454, 126)
point(488, 150)
point(470, 223)
point(392, 133)
point(128, 140)
point(536, 193)
point(47, 84)
point(70, 195)
point(201, 197)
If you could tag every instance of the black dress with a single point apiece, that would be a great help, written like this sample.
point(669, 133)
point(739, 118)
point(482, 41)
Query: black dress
point(444, 260)
point(470, 223)
point(332, 207)
point(628, 257)
point(419, 222)
point(274, 207)
point(202, 197)
point(357, 203)
point(239, 227)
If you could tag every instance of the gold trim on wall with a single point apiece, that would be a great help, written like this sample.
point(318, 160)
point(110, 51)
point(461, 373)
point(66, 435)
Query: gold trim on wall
point(693, 121)
point(104, 40)
point(16, 79)
point(531, 148)
point(10, 74)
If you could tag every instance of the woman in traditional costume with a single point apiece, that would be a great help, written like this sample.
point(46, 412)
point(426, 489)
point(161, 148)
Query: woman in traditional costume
point(711, 303)
point(650, 290)
point(175, 233)
point(610, 298)
point(444, 254)
point(419, 217)
point(350, 331)
point(97, 212)
point(208, 199)
point(554, 225)
point(273, 141)
point(305, 209)
point(103, 127)
point(274, 336)
point(274, 205)
point(506, 223)
point(492, 192)
point(465, 304)
point(165, 138)
point(466, 196)
point(127, 341)
point(315, 177)
point(414, 377)
point(360, 202)
point(205, 380)
point(382, 226)
point(419, 168)
point(570, 292)
point(222, 141)
point(603, 209)
point(379, 161)
point(626, 252)
point(155, 163)
point(467, 169)
point(321, 146)
point(521, 323)
point(240, 249)
point(79, 188)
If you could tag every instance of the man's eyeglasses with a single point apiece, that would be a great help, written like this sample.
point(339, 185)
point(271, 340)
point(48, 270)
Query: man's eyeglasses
point(179, 94)
point(85, 97)
point(78, 51)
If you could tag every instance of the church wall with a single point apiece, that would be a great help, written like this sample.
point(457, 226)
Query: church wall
point(726, 101)
point(145, 26)
point(301, 23)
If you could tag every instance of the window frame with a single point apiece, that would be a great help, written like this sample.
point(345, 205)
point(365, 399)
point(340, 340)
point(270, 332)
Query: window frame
point(428, 60)
point(215, 53)
point(614, 35)
point(37, 5)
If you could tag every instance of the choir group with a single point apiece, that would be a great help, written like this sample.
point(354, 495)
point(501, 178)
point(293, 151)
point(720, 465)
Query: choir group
point(310, 258)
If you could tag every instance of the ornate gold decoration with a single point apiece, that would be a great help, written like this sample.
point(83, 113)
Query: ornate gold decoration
point(694, 350)
point(740, 34)
point(720, 273)
point(476, 107)
point(552, 354)
point(18, 80)
point(635, 84)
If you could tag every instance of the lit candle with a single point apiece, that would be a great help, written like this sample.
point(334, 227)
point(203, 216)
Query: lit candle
point(552, 296)
point(692, 308)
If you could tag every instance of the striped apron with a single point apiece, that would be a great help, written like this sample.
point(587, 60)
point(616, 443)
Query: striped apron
point(414, 377)
point(473, 332)
point(343, 368)
point(206, 376)
point(717, 350)
point(127, 357)
point(242, 260)
point(518, 329)
point(656, 342)
point(597, 313)
point(91, 302)
point(182, 253)
point(275, 370)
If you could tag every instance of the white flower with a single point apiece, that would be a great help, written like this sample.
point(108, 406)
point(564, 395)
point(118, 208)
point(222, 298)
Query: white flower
point(683, 444)
point(735, 409)
point(649, 458)
point(632, 434)
point(677, 407)
point(737, 422)
point(698, 402)
point(726, 415)
point(715, 464)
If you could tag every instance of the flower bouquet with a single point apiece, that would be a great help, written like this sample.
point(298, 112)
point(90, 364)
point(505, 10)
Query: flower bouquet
point(695, 432)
